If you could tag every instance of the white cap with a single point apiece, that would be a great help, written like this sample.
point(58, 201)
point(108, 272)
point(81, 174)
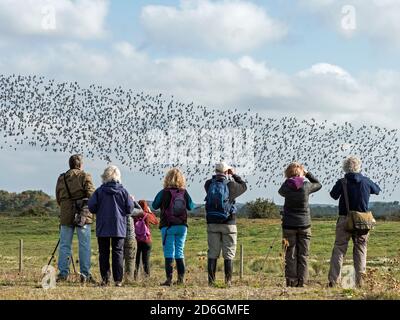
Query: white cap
point(222, 167)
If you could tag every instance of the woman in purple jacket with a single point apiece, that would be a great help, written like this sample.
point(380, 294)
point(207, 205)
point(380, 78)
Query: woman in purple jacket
point(112, 204)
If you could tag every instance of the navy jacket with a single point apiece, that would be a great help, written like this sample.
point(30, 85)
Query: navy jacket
point(111, 203)
point(359, 188)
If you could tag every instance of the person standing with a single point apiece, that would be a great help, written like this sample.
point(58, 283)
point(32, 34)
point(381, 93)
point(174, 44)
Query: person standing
point(296, 222)
point(72, 186)
point(112, 204)
point(359, 188)
point(143, 238)
point(174, 201)
point(130, 246)
point(222, 190)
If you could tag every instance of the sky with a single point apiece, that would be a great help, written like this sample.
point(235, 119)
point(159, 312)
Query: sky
point(327, 59)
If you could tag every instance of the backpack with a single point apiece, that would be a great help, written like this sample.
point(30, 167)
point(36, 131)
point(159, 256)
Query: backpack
point(176, 213)
point(218, 206)
point(142, 230)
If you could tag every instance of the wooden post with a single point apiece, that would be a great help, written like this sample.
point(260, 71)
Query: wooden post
point(21, 255)
point(241, 261)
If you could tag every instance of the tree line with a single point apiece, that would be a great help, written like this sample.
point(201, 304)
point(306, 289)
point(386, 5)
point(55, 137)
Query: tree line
point(27, 203)
point(38, 203)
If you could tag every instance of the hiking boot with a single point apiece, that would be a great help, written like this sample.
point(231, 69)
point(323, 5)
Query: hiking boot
point(87, 279)
point(118, 284)
point(228, 267)
point(360, 280)
point(300, 284)
point(61, 278)
point(105, 283)
point(212, 268)
point(291, 283)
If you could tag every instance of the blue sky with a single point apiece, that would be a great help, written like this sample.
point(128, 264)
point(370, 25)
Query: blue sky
point(310, 39)
point(285, 57)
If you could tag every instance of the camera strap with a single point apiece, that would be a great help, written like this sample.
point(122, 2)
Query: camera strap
point(66, 186)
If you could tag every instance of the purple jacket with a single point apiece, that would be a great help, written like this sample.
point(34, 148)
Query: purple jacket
point(111, 204)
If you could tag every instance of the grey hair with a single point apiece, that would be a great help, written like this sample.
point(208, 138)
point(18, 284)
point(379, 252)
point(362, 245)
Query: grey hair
point(111, 173)
point(352, 165)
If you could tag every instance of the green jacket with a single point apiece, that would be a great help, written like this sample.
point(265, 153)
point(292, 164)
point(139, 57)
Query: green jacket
point(80, 185)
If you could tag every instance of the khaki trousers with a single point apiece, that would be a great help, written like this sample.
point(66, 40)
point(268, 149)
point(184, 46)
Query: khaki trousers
point(130, 246)
point(221, 237)
point(339, 252)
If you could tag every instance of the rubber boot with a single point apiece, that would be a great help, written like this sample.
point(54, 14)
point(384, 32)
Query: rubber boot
point(169, 269)
point(180, 266)
point(212, 268)
point(228, 266)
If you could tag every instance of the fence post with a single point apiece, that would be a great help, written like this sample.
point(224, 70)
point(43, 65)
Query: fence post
point(241, 261)
point(21, 255)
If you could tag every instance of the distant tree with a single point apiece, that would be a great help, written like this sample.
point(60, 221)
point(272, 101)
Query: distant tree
point(29, 202)
point(262, 209)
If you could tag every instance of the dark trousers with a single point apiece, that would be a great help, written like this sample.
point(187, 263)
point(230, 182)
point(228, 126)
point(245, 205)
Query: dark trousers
point(117, 245)
point(143, 252)
point(296, 259)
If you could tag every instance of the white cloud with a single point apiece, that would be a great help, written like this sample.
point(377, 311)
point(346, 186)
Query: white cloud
point(329, 70)
point(333, 92)
point(378, 19)
point(233, 26)
point(80, 19)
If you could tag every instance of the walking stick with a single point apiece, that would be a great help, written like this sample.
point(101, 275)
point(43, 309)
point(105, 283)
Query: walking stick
point(52, 255)
point(268, 253)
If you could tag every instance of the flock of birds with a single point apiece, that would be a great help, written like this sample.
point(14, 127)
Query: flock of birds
point(118, 125)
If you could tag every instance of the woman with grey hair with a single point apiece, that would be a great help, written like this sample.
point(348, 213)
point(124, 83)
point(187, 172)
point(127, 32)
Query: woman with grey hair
point(359, 188)
point(112, 204)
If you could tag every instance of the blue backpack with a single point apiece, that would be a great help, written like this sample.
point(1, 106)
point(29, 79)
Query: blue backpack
point(218, 206)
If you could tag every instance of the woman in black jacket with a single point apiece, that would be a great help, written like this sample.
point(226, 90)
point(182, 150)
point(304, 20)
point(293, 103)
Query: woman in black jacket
point(296, 222)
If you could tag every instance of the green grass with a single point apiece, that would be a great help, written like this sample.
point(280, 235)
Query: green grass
point(263, 278)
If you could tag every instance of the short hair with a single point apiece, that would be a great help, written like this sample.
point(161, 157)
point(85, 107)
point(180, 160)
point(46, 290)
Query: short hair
point(352, 165)
point(175, 179)
point(111, 173)
point(76, 161)
point(295, 169)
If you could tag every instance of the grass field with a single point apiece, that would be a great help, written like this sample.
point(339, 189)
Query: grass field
point(263, 278)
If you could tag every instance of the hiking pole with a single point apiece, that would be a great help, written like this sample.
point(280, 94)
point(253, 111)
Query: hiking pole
point(52, 257)
point(269, 251)
point(53, 254)
point(55, 249)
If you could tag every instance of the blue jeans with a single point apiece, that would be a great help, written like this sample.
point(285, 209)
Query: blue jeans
point(84, 236)
point(174, 239)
